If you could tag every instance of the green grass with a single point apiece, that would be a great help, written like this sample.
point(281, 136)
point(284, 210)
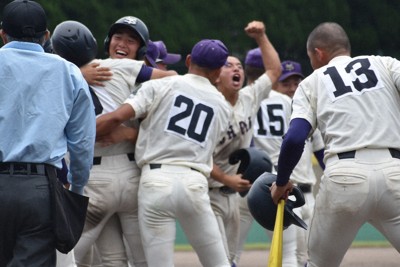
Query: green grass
point(266, 246)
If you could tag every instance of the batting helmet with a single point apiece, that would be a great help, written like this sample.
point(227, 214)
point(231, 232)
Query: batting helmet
point(253, 163)
point(138, 27)
point(75, 42)
point(263, 209)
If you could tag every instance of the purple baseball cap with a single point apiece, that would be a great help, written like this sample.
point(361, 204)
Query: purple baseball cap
point(290, 68)
point(152, 54)
point(211, 54)
point(165, 57)
point(23, 18)
point(254, 58)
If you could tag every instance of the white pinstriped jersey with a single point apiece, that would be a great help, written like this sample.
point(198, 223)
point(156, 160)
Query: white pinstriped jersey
point(114, 93)
point(240, 131)
point(355, 103)
point(271, 124)
point(184, 117)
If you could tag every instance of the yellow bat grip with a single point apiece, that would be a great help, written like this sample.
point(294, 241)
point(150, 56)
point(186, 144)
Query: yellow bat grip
point(275, 254)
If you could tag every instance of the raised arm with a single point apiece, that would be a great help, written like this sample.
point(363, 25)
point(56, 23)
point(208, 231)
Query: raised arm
point(271, 61)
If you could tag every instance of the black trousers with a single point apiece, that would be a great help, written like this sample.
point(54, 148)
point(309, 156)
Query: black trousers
point(26, 233)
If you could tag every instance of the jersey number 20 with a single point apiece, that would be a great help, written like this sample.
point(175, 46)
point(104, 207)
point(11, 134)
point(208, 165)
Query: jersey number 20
point(190, 120)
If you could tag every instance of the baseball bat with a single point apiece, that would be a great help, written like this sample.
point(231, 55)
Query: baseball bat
point(275, 253)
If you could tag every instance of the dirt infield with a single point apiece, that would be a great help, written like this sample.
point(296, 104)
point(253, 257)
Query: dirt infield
point(355, 257)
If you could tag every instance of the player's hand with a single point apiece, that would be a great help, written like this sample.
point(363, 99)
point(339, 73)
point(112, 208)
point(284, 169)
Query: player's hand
point(280, 192)
point(237, 183)
point(255, 29)
point(118, 135)
point(95, 75)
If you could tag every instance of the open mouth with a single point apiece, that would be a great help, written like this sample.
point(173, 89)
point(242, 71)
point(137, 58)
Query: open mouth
point(121, 53)
point(236, 78)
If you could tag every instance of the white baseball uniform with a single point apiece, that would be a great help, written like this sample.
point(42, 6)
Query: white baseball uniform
point(114, 178)
point(184, 117)
point(355, 103)
point(269, 127)
point(239, 134)
point(271, 124)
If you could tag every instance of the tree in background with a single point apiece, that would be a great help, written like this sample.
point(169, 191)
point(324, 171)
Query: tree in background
point(373, 26)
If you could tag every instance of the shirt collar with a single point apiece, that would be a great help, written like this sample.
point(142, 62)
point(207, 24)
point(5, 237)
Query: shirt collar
point(24, 46)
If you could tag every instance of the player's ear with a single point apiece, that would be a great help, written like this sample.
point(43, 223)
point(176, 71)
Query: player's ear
point(188, 60)
point(3, 36)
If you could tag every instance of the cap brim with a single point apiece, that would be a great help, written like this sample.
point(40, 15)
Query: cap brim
point(283, 77)
point(171, 58)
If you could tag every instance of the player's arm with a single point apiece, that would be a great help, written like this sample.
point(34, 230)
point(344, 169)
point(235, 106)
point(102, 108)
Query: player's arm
point(147, 73)
point(120, 134)
point(271, 61)
point(157, 73)
point(236, 182)
point(95, 75)
point(108, 122)
point(290, 153)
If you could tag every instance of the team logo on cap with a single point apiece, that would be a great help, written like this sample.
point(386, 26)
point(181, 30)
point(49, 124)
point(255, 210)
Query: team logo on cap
point(289, 67)
point(131, 20)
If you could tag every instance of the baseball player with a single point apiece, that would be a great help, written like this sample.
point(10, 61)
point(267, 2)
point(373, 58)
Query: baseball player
point(303, 175)
point(114, 178)
point(165, 59)
point(271, 121)
point(183, 117)
point(224, 183)
point(355, 103)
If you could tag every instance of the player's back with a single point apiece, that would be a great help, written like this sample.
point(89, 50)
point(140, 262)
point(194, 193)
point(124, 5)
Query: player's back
point(186, 116)
point(272, 123)
point(356, 100)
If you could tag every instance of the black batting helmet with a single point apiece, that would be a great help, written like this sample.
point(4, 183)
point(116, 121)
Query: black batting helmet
point(263, 209)
point(253, 163)
point(75, 42)
point(139, 28)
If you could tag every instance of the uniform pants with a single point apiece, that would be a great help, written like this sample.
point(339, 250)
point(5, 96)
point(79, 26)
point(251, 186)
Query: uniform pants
point(26, 232)
point(112, 189)
point(289, 236)
point(226, 209)
point(304, 212)
point(354, 191)
point(171, 193)
point(65, 260)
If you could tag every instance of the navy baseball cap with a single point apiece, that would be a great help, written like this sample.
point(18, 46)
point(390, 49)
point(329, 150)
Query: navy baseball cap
point(24, 18)
point(290, 68)
point(211, 54)
point(254, 58)
point(165, 57)
point(152, 54)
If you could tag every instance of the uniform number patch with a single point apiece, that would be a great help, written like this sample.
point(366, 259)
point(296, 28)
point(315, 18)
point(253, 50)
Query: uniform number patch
point(355, 78)
point(270, 121)
point(190, 118)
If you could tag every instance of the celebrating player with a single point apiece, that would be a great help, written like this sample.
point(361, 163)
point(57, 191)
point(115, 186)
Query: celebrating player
point(355, 103)
point(224, 183)
point(183, 117)
point(114, 178)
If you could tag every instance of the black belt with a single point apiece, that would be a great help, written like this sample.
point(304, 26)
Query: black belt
point(97, 160)
point(158, 166)
point(223, 189)
point(351, 154)
point(19, 168)
point(305, 188)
